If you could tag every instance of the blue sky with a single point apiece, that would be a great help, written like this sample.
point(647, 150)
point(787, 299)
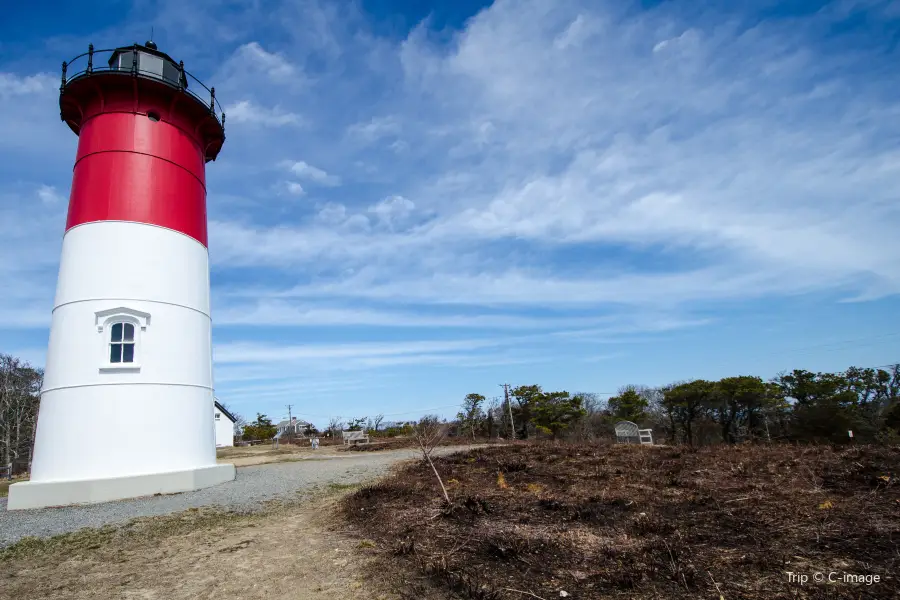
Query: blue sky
point(416, 201)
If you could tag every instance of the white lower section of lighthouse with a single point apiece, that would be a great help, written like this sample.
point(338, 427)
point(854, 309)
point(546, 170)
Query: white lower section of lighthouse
point(127, 401)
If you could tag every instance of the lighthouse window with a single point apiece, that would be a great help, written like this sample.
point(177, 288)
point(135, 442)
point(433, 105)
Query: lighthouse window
point(125, 60)
point(150, 64)
point(121, 343)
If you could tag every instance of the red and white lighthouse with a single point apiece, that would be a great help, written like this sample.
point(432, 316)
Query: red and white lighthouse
point(127, 402)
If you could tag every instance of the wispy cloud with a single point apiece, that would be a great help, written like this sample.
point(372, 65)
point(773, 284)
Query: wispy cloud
point(307, 172)
point(17, 85)
point(253, 57)
point(48, 195)
point(718, 113)
point(292, 187)
point(248, 112)
point(268, 353)
point(586, 171)
point(375, 129)
point(275, 310)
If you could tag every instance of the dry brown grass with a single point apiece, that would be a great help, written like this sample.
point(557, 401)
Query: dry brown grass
point(286, 551)
point(633, 522)
point(402, 442)
point(243, 456)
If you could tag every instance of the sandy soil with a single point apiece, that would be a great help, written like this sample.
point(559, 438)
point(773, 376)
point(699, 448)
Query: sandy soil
point(298, 548)
point(260, 455)
point(286, 552)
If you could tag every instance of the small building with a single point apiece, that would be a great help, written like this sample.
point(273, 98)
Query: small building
point(224, 422)
point(295, 427)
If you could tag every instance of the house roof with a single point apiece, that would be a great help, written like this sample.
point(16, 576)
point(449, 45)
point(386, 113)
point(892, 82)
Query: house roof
point(225, 412)
point(286, 423)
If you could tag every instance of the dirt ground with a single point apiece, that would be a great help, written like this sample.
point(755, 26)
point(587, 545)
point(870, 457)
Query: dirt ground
point(288, 551)
point(586, 521)
point(526, 521)
point(243, 456)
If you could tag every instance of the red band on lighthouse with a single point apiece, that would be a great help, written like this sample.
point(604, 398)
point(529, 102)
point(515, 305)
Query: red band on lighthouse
point(135, 167)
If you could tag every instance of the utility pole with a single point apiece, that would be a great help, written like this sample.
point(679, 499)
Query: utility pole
point(512, 425)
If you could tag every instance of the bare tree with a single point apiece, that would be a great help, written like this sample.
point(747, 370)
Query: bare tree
point(20, 386)
point(335, 426)
point(592, 425)
point(490, 421)
point(239, 420)
point(376, 421)
point(429, 432)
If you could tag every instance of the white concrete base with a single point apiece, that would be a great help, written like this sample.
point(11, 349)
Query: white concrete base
point(41, 494)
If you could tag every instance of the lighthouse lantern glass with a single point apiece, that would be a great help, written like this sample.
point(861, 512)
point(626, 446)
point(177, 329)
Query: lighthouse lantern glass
point(150, 64)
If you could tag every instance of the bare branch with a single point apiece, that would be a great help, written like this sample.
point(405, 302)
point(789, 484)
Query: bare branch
point(429, 432)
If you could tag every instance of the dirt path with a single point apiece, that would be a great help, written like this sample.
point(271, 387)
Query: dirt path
point(284, 480)
point(287, 552)
point(293, 545)
point(262, 456)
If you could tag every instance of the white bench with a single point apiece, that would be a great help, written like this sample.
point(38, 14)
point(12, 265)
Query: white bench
point(355, 437)
point(629, 433)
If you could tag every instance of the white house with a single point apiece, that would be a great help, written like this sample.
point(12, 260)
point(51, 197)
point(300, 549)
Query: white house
point(224, 426)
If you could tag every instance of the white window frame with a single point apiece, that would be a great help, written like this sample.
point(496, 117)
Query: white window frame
point(104, 320)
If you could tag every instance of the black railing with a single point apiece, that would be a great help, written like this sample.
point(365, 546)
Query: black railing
point(85, 64)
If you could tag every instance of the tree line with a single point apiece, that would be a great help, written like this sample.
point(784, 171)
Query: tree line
point(793, 406)
point(535, 411)
point(797, 406)
point(800, 405)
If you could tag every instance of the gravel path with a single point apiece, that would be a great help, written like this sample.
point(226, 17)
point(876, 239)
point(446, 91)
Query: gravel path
point(252, 486)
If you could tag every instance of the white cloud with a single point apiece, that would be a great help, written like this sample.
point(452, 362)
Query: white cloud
point(307, 172)
point(568, 161)
point(513, 288)
point(30, 129)
point(246, 111)
point(277, 310)
point(374, 129)
point(244, 353)
point(332, 214)
point(17, 85)
point(686, 40)
point(48, 195)
point(392, 209)
point(576, 33)
point(293, 188)
point(252, 56)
